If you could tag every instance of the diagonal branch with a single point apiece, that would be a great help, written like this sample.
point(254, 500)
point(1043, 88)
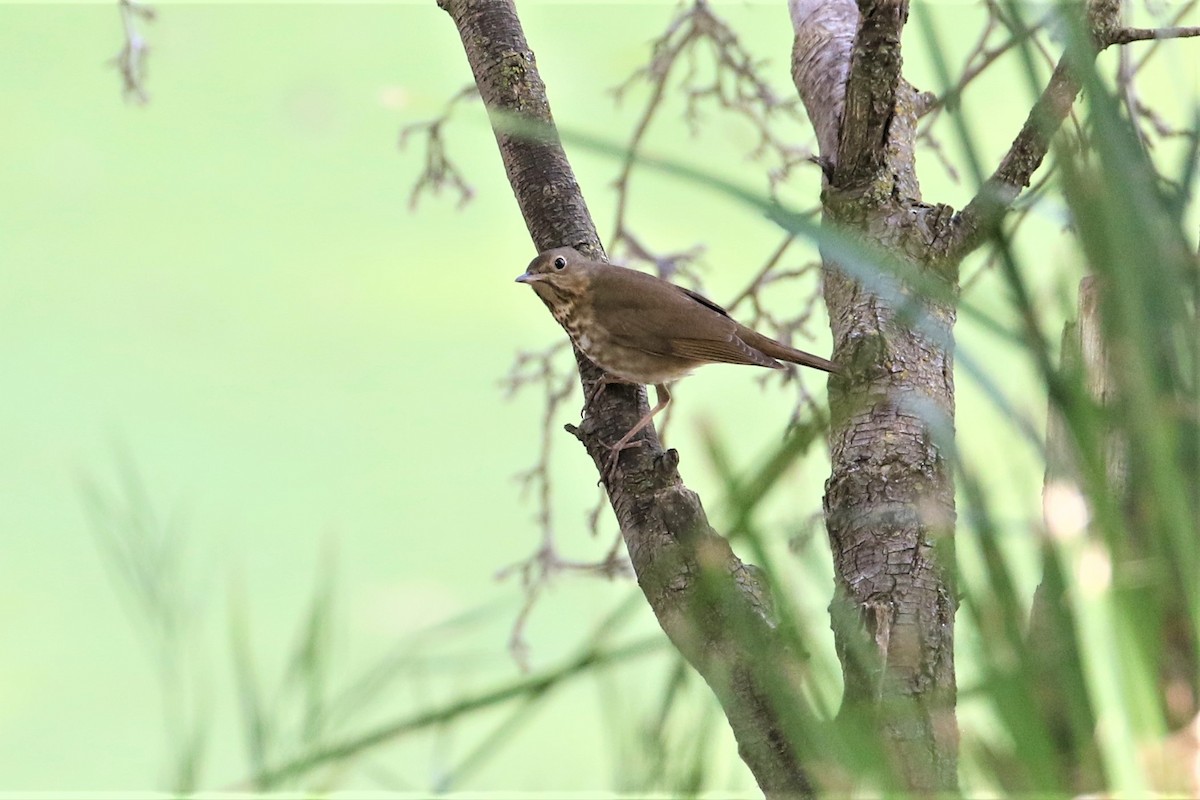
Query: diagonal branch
point(995, 198)
point(870, 92)
point(710, 604)
point(991, 203)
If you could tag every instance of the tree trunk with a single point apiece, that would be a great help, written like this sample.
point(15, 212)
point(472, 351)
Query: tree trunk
point(889, 500)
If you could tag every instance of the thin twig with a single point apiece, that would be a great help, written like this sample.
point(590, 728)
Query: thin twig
point(131, 60)
point(734, 85)
point(784, 329)
point(537, 572)
point(541, 369)
point(439, 171)
point(1183, 11)
point(1127, 35)
point(1147, 122)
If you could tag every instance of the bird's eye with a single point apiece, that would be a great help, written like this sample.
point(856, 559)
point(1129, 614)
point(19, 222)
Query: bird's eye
point(560, 262)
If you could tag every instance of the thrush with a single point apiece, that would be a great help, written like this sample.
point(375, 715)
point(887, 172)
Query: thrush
point(644, 330)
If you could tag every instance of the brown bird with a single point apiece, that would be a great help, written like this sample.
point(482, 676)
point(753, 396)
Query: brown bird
point(643, 330)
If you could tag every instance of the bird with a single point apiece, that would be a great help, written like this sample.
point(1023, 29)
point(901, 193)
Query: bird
point(641, 329)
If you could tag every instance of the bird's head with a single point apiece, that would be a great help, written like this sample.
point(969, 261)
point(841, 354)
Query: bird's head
point(557, 275)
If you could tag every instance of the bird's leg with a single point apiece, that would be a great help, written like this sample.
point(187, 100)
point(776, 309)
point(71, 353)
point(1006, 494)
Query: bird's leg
point(624, 443)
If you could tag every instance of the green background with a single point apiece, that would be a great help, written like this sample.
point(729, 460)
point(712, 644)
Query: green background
point(226, 293)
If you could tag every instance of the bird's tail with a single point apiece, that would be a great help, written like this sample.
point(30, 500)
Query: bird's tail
point(783, 352)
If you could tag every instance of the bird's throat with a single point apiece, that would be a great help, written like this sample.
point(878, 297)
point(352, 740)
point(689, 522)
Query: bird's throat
point(563, 304)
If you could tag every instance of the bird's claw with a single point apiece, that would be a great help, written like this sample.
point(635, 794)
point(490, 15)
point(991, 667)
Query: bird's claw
point(614, 455)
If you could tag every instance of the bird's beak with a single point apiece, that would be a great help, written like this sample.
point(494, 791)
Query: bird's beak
point(526, 277)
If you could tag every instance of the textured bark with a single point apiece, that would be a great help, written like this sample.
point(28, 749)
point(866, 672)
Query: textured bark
point(821, 63)
point(889, 501)
point(890, 513)
point(871, 85)
point(709, 603)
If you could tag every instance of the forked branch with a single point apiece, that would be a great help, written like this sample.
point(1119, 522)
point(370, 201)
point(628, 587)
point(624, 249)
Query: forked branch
point(1029, 148)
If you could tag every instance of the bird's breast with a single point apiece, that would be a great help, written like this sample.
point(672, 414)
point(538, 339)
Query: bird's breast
point(618, 360)
point(580, 326)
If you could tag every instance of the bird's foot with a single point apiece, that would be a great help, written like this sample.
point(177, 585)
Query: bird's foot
point(598, 389)
point(614, 455)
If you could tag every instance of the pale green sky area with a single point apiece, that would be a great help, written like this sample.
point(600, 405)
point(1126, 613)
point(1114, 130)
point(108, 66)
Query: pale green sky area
point(227, 287)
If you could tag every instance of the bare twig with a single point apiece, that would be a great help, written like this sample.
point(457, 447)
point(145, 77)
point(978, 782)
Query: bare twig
point(1146, 121)
point(439, 171)
point(733, 83)
point(1182, 12)
point(131, 60)
point(979, 58)
point(542, 369)
point(782, 328)
point(761, 276)
point(1033, 142)
point(537, 572)
point(1127, 35)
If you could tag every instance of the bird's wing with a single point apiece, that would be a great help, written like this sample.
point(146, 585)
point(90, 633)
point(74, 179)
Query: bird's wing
point(702, 300)
point(732, 351)
point(652, 315)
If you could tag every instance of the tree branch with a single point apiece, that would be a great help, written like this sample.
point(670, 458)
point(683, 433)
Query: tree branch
point(1127, 35)
point(870, 92)
point(889, 500)
point(709, 603)
point(991, 203)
